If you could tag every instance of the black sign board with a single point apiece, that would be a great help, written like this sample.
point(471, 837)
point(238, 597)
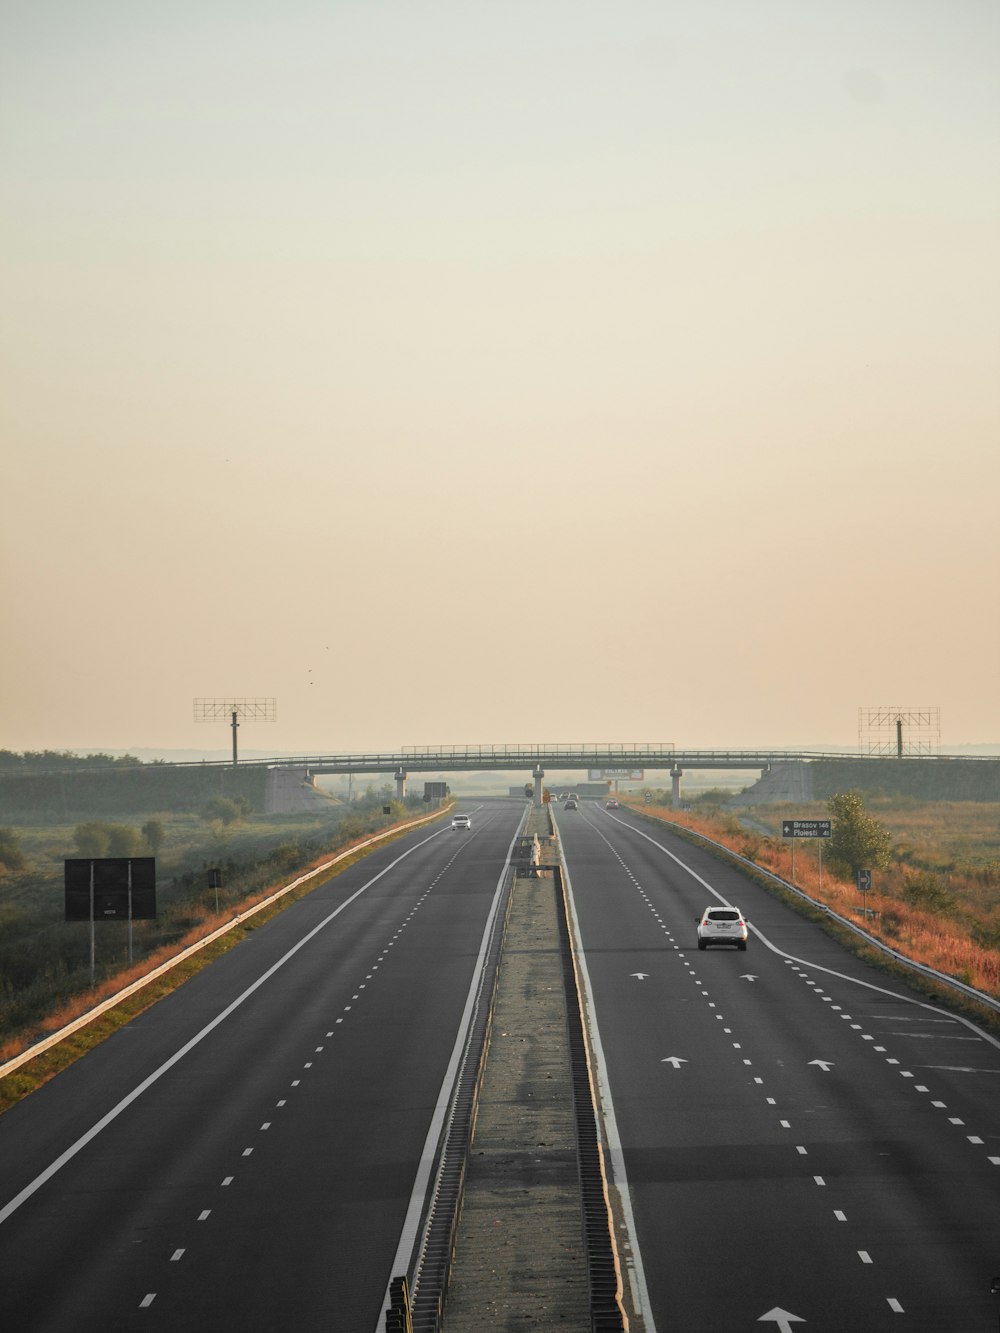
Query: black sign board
point(806, 828)
point(111, 879)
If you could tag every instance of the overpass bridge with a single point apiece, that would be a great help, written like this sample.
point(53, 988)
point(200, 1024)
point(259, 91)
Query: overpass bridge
point(613, 759)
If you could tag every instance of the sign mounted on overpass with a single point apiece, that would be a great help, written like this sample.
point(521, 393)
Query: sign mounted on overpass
point(607, 774)
point(806, 828)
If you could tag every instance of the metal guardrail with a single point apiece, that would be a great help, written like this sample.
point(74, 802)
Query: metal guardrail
point(981, 997)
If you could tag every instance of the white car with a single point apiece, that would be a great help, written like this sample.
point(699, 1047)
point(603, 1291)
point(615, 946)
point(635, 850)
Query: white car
point(461, 821)
point(722, 925)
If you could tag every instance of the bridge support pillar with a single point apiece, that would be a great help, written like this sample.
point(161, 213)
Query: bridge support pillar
point(400, 785)
point(675, 783)
point(538, 774)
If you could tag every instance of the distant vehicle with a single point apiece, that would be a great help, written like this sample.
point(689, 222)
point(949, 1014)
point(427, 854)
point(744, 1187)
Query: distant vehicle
point(573, 796)
point(612, 805)
point(570, 803)
point(722, 925)
point(461, 821)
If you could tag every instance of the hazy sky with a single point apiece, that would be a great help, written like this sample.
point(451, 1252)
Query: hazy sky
point(533, 370)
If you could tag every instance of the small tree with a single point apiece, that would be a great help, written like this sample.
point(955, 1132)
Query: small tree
point(153, 832)
point(125, 841)
point(221, 808)
point(92, 840)
point(11, 856)
point(857, 840)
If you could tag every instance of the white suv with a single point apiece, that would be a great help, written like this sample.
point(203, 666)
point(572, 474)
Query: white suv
point(722, 925)
point(461, 821)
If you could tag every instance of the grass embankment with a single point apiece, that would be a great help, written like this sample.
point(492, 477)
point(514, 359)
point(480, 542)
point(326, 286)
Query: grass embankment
point(51, 958)
point(937, 903)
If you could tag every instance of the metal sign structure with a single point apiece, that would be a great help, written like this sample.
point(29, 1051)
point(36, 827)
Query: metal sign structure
point(891, 730)
point(806, 828)
point(109, 888)
point(208, 710)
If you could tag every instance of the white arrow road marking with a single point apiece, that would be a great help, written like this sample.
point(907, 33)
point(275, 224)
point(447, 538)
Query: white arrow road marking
point(675, 1060)
point(825, 1065)
point(782, 1318)
point(641, 975)
point(747, 976)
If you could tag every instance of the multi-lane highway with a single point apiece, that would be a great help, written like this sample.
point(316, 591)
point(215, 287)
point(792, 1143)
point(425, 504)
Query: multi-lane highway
point(807, 1142)
point(244, 1155)
point(801, 1140)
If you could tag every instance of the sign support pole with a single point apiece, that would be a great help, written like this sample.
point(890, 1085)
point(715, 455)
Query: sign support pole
point(93, 964)
point(130, 913)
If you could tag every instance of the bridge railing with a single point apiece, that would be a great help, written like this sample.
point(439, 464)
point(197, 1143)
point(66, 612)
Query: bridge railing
point(599, 749)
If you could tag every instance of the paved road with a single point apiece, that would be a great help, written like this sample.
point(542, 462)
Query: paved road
point(802, 1135)
point(259, 1131)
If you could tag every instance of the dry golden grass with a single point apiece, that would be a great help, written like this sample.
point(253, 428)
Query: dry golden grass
point(956, 844)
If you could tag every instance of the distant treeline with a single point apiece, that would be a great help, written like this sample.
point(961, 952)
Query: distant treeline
point(68, 786)
point(32, 761)
point(923, 779)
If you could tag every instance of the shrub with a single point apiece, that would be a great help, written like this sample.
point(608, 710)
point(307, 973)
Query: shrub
point(92, 840)
point(927, 891)
point(11, 855)
point(221, 808)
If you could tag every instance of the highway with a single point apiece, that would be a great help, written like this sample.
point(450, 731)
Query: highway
point(243, 1155)
point(807, 1142)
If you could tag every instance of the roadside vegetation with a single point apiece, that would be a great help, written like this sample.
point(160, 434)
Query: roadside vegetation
point(45, 961)
point(935, 893)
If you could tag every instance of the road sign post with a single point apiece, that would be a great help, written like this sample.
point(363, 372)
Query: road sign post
point(807, 828)
point(864, 881)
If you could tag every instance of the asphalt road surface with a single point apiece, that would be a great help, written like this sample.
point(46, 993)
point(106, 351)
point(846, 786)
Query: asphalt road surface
point(243, 1155)
point(808, 1143)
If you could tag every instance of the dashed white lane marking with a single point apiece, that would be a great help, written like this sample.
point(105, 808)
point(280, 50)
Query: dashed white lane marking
point(177, 1254)
point(147, 1300)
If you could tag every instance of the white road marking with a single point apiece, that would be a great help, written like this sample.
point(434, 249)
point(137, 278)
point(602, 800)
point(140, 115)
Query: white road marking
point(13, 1204)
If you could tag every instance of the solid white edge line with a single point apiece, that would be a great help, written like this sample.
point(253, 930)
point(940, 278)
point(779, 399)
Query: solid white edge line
point(817, 967)
point(619, 1175)
point(15, 1203)
point(428, 1156)
point(55, 1037)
